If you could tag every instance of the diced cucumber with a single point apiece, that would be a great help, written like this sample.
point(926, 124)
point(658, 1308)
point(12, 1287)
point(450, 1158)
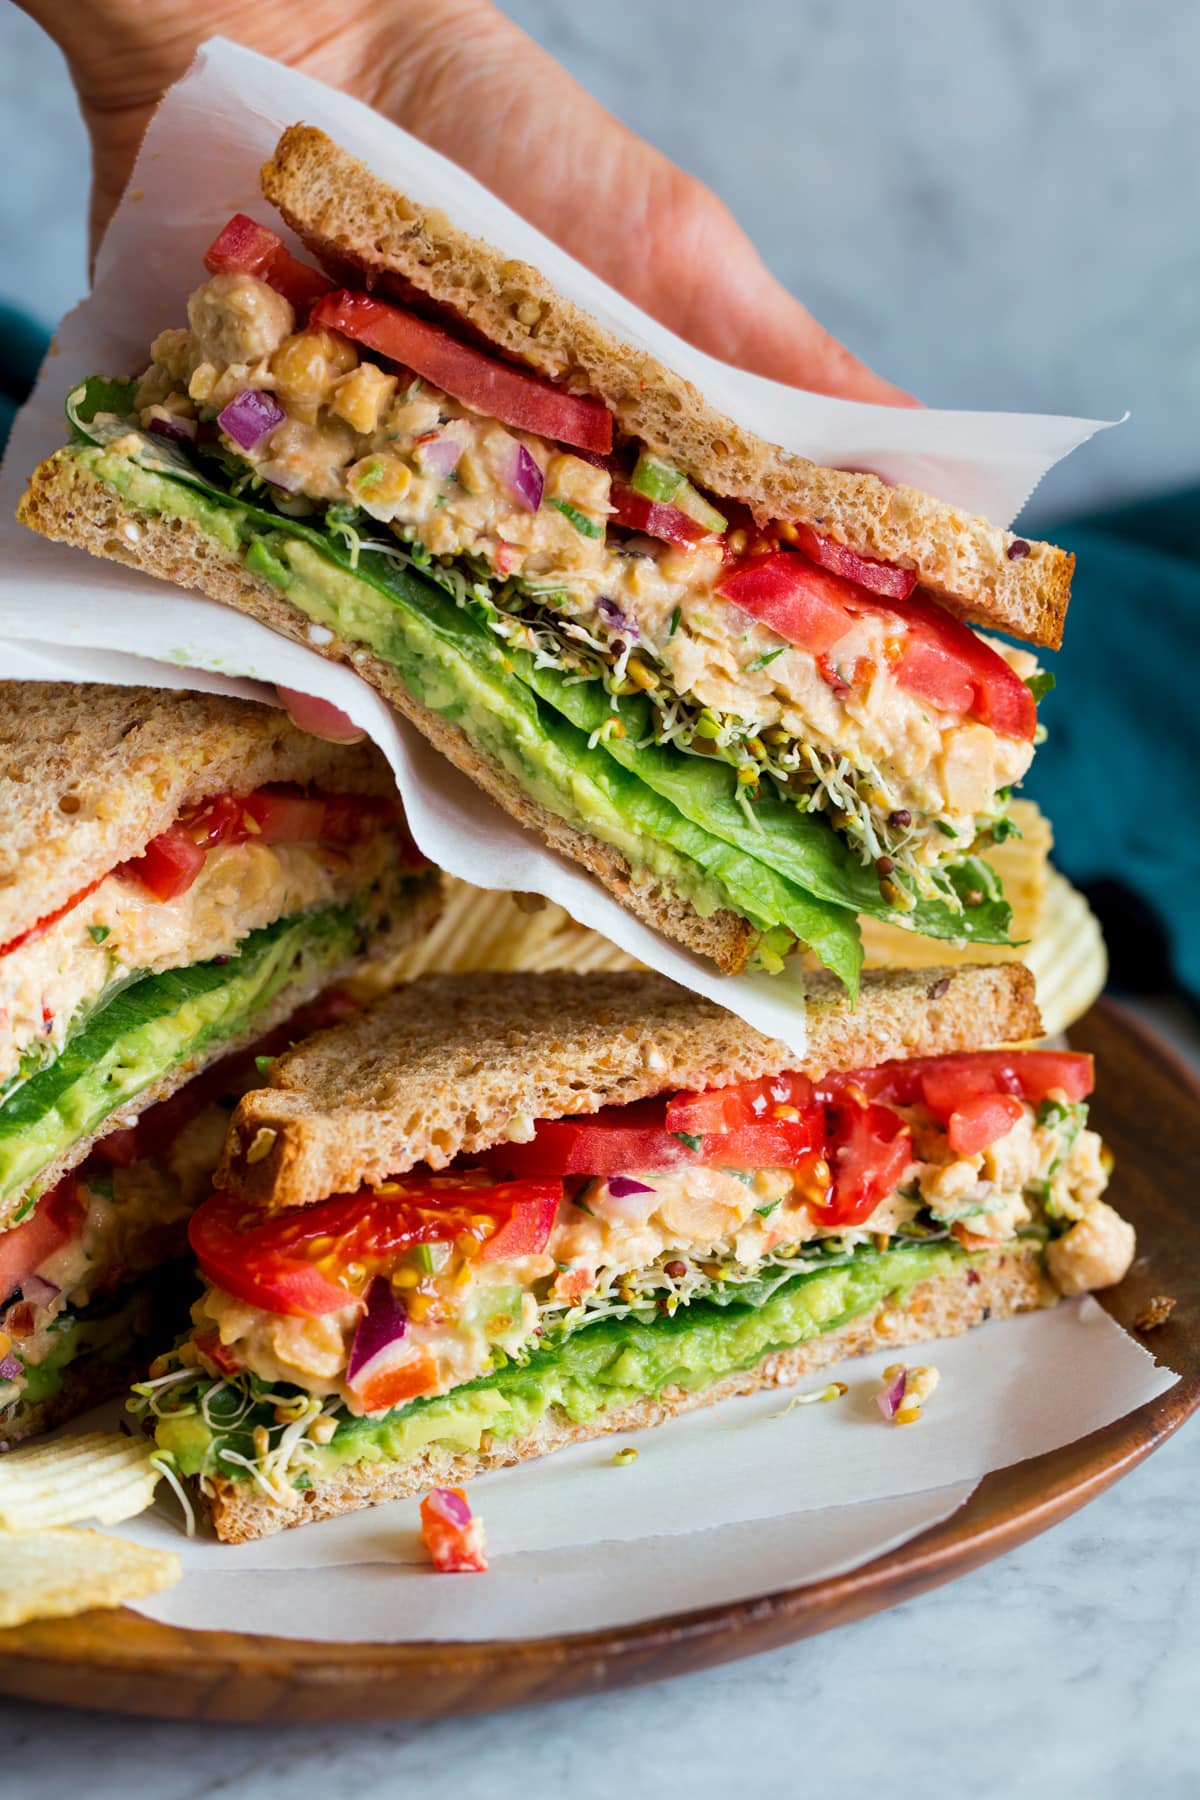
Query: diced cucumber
point(655, 479)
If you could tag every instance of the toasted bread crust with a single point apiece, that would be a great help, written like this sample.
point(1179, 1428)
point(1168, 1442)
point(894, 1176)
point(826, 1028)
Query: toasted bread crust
point(1011, 1281)
point(373, 236)
point(89, 773)
point(64, 500)
point(424, 902)
point(453, 1064)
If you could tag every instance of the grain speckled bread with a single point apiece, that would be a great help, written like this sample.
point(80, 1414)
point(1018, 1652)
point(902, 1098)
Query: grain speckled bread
point(371, 235)
point(417, 916)
point(89, 773)
point(452, 1064)
point(65, 501)
point(1008, 1281)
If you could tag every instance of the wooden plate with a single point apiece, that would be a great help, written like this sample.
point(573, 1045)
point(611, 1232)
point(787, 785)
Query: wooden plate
point(1148, 1108)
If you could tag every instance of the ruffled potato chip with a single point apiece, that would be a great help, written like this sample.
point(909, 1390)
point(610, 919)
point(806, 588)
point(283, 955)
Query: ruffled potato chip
point(98, 1475)
point(53, 1574)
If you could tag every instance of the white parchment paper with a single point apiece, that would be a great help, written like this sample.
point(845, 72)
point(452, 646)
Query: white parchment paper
point(199, 163)
point(722, 1503)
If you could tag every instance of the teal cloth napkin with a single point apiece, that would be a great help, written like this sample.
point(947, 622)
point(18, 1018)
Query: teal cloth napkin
point(1119, 774)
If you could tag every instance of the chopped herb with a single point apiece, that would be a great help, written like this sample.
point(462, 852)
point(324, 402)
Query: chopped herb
point(768, 656)
point(98, 933)
point(676, 615)
point(301, 1480)
point(764, 1212)
point(1003, 829)
point(583, 1206)
point(1051, 1112)
point(945, 829)
point(691, 1140)
point(591, 528)
point(1041, 684)
point(263, 1065)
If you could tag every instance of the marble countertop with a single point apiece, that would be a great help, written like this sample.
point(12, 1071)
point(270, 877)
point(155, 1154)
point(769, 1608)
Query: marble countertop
point(1066, 1668)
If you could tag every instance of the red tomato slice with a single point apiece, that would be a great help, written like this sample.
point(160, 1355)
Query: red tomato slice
point(807, 606)
point(494, 388)
point(24, 1248)
point(944, 1083)
point(618, 1139)
point(637, 513)
point(943, 656)
point(169, 864)
point(942, 661)
point(292, 1261)
point(246, 248)
point(43, 925)
point(981, 1122)
point(250, 1256)
point(864, 571)
point(744, 1103)
point(869, 1149)
point(286, 817)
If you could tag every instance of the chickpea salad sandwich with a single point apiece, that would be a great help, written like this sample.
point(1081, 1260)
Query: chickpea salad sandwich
point(181, 878)
point(492, 1215)
point(741, 689)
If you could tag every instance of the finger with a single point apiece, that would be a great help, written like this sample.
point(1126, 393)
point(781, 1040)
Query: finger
point(319, 717)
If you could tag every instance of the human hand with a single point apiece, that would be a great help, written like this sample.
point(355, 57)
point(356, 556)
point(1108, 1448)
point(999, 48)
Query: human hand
point(464, 79)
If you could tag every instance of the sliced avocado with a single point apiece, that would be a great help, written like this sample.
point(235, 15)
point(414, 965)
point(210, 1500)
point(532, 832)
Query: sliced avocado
point(600, 1367)
point(149, 1028)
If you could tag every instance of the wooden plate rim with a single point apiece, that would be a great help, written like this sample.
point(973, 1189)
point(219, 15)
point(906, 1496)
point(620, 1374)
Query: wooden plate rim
point(186, 1671)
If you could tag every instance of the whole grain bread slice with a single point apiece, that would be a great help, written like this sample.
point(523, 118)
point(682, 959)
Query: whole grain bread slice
point(89, 773)
point(453, 1064)
point(408, 915)
point(65, 500)
point(371, 235)
point(1007, 1281)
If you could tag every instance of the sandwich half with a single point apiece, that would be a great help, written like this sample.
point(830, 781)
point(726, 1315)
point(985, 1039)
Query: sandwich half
point(179, 876)
point(741, 689)
point(490, 1216)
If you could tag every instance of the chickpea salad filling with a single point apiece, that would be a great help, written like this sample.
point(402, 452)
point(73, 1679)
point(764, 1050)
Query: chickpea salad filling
point(612, 1253)
point(750, 712)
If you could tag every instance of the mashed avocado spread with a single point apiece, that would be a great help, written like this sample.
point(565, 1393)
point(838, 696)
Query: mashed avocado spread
point(207, 1427)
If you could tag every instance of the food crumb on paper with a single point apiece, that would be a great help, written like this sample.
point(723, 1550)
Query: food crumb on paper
point(905, 1391)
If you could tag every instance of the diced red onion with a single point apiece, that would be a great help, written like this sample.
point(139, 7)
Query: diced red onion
point(450, 1505)
point(621, 1186)
point(10, 1368)
point(523, 479)
point(172, 427)
point(38, 1291)
point(612, 612)
point(441, 455)
point(889, 1401)
point(249, 416)
point(383, 1323)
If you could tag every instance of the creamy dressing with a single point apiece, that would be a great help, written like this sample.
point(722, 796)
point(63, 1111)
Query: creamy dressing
point(121, 930)
point(717, 1218)
point(438, 473)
